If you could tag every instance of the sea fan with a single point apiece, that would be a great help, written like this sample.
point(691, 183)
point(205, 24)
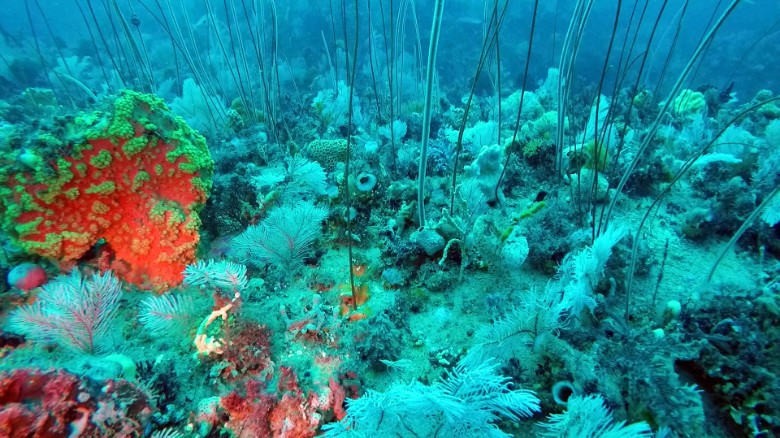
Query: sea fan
point(71, 310)
point(166, 314)
point(284, 237)
point(220, 275)
point(465, 402)
point(306, 177)
point(587, 417)
point(522, 331)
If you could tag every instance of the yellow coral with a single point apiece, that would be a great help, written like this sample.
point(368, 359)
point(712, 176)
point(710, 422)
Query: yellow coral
point(688, 103)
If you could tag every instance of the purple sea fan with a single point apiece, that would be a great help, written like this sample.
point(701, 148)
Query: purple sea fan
point(71, 310)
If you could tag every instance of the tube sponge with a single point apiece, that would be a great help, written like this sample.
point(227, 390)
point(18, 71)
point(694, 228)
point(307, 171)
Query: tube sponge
point(365, 182)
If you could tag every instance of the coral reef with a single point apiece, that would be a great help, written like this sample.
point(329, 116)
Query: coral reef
point(225, 221)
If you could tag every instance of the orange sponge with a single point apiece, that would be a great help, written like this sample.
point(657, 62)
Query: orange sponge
point(133, 177)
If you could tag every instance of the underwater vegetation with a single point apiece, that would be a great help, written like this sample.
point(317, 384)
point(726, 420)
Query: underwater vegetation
point(389, 218)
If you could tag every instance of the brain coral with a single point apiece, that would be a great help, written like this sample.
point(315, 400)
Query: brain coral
point(132, 176)
point(327, 152)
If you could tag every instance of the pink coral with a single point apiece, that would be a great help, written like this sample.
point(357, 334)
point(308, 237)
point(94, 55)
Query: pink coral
point(56, 403)
point(247, 352)
point(257, 413)
point(249, 414)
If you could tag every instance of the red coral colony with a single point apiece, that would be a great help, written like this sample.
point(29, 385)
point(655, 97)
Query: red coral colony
point(56, 403)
